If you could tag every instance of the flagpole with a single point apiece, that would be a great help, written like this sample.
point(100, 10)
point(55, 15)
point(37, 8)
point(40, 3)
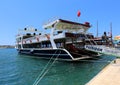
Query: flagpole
point(78, 15)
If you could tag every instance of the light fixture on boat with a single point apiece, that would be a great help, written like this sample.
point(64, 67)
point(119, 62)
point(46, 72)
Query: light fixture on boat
point(25, 28)
point(87, 23)
point(35, 29)
point(34, 33)
point(28, 34)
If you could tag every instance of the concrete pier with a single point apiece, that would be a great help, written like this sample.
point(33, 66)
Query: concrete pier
point(110, 75)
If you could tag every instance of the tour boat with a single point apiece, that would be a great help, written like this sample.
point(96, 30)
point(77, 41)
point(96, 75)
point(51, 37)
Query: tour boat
point(65, 41)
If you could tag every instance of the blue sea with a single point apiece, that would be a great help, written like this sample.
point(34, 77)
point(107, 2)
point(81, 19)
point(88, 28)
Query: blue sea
point(16, 69)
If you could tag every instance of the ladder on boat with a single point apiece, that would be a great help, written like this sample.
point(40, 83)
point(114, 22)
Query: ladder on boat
point(103, 50)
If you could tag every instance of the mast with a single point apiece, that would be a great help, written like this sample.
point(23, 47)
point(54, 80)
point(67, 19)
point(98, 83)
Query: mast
point(97, 30)
point(111, 31)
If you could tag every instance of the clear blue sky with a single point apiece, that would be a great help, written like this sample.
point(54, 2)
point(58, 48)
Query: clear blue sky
point(15, 14)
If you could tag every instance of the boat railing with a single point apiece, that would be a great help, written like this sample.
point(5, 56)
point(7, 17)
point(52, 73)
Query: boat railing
point(39, 38)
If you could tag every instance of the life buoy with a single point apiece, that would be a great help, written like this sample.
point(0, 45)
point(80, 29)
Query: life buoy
point(37, 39)
point(48, 36)
point(30, 41)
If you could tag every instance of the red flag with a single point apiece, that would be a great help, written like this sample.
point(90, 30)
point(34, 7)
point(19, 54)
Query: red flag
point(79, 13)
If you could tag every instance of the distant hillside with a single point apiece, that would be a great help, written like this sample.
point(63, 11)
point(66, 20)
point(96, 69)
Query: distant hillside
point(7, 46)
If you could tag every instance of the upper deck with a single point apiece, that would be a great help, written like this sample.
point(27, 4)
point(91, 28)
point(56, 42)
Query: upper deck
point(63, 29)
point(70, 26)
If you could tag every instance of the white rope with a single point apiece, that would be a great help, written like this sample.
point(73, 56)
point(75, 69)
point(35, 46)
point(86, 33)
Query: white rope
point(43, 71)
point(45, 67)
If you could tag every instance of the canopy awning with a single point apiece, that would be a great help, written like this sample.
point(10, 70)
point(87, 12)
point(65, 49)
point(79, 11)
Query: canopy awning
point(61, 24)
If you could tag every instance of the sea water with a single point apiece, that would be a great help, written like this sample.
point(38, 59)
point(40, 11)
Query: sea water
point(16, 69)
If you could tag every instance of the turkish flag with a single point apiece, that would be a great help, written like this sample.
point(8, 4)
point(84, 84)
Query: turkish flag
point(79, 13)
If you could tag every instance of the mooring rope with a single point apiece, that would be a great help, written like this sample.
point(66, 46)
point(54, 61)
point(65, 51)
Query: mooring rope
point(45, 68)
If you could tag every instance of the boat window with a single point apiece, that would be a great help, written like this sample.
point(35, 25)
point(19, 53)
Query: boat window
point(46, 45)
point(34, 45)
point(60, 45)
point(60, 32)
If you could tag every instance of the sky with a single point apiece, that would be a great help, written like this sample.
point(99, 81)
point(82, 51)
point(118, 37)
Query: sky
point(17, 14)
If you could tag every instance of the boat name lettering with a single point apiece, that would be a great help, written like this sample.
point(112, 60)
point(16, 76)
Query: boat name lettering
point(94, 48)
